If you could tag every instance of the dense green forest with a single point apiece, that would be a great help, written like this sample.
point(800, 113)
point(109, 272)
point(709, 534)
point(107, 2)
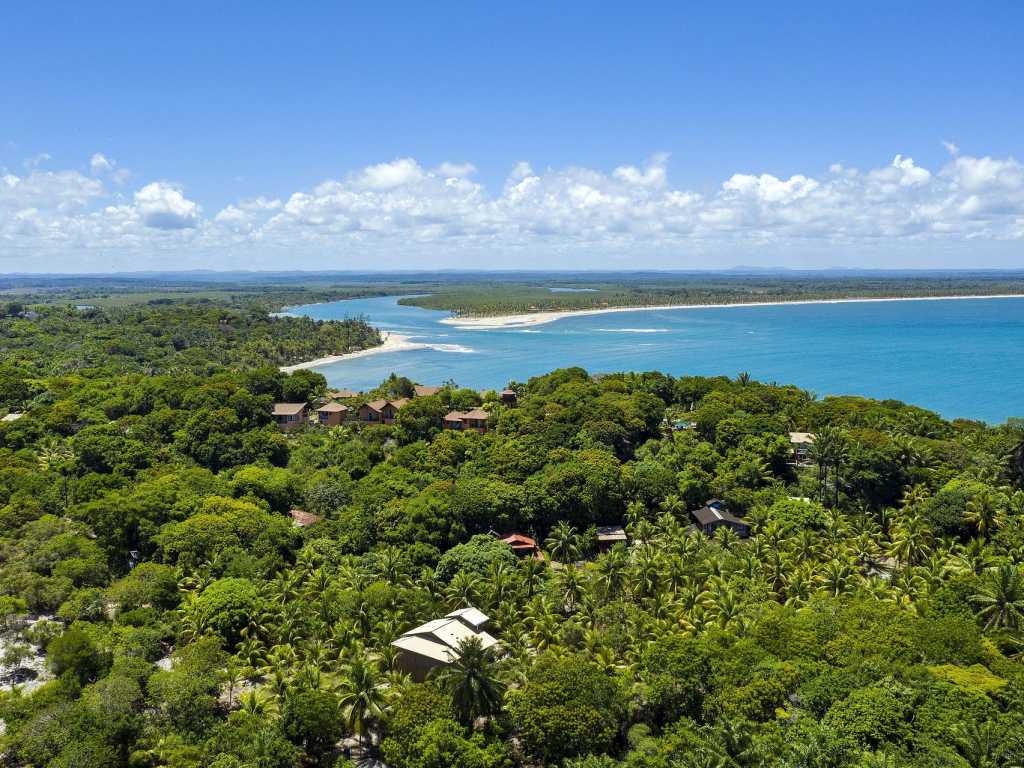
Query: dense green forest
point(490, 297)
point(162, 335)
point(160, 608)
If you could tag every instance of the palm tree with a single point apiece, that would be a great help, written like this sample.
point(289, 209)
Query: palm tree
point(563, 543)
point(532, 574)
point(362, 696)
point(463, 590)
point(56, 456)
point(1001, 598)
point(570, 586)
point(911, 538)
point(471, 682)
point(978, 744)
point(985, 511)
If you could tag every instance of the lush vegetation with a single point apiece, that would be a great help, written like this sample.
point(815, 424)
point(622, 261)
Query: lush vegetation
point(874, 618)
point(161, 335)
point(514, 295)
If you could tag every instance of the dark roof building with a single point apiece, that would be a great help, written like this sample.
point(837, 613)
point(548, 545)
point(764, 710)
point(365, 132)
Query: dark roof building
point(710, 519)
point(609, 535)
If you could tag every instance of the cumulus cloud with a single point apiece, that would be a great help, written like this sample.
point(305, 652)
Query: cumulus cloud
point(99, 163)
point(403, 207)
point(164, 206)
point(390, 175)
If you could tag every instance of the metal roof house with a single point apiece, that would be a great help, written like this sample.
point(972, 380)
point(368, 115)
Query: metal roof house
point(436, 643)
point(610, 535)
point(711, 518)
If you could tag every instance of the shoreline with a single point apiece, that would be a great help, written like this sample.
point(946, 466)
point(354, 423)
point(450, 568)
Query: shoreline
point(528, 319)
point(393, 342)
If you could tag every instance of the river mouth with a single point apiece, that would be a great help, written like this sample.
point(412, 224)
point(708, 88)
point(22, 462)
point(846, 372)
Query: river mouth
point(943, 354)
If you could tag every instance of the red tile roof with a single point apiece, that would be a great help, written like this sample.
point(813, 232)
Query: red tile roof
point(302, 518)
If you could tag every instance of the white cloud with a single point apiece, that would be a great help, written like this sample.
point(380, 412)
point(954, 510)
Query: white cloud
point(456, 170)
point(383, 213)
point(99, 163)
point(391, 175)
point(164, 206)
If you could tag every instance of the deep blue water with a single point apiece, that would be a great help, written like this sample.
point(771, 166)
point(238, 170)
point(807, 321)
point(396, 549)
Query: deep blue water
point(962, 358)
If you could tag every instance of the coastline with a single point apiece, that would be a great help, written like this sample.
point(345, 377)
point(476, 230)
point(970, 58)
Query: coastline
point(528, 319)
point(393, 342)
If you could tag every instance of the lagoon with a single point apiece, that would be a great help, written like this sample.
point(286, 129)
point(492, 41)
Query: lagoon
point(962, 358)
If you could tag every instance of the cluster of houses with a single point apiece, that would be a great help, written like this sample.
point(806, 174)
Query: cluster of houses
point(329, 412)
point(438, 643)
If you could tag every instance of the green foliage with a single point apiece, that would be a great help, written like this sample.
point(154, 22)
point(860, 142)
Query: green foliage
point(75, 653)
point(567, 707)
point(476, 557)
point(310, 719)
point(226, 607)
point(879, 624)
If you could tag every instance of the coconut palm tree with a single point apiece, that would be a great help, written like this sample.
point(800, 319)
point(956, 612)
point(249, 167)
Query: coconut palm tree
point(978, 744)
point(985, 511)
point(563, 543)
point(463, 590)
point(362, 696)
point(911, 539)
point(1001, 598)
point(56, 456)
point(470, 681)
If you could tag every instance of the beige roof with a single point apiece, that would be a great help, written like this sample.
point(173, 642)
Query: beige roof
point(376, 404)
point(332, 407)
point(801, 437)
point(288, 409)
point(423, 646)
point(439, 639)
point(424, 391)
point(473, 616)
point(476, 413)
point(399, 402)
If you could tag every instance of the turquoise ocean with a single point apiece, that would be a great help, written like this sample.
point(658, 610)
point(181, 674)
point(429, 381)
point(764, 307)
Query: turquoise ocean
point(962, 358)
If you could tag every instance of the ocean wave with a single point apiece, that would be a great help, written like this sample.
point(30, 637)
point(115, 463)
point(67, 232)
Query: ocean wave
point(634, 330)
point(449, 348)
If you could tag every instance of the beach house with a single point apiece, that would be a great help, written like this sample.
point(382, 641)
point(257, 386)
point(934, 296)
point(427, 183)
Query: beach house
point(801, 443)
point(331, 414)
point(522, 546)
point(290, 415)
point(475, 419)
point(436, 643)
point(380, 411)
point(714, 515)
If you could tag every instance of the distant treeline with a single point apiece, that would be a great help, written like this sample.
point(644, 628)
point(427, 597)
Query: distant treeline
point(500, 297)
point(163, 336)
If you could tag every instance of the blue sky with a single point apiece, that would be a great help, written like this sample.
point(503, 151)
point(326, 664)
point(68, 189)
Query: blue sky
point(236, 134)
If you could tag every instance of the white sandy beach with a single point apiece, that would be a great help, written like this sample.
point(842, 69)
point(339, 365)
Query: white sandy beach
point(393, 342)
point(539, 318)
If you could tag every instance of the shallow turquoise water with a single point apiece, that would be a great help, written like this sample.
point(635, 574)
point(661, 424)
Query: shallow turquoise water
point(962, 358)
